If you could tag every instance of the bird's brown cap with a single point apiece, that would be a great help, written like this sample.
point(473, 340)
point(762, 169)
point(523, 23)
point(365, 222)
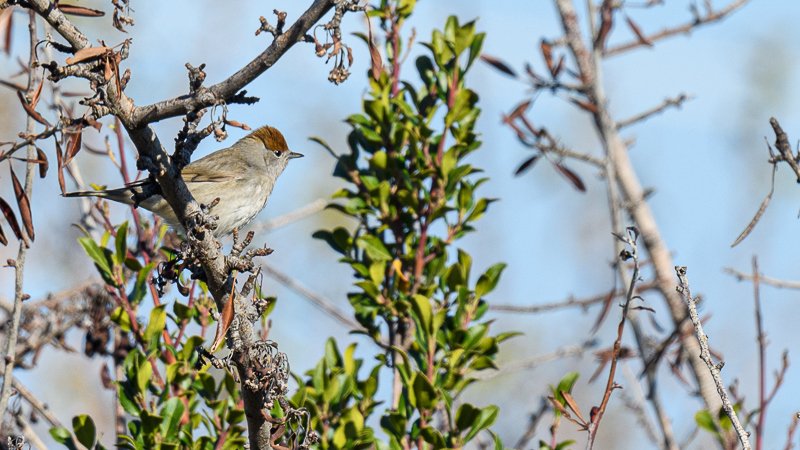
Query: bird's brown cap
point(270, 137)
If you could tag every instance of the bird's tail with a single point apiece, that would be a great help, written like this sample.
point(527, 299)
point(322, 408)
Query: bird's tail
point(122, 195)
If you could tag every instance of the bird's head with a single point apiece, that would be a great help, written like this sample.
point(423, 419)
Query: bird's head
point(277, 153)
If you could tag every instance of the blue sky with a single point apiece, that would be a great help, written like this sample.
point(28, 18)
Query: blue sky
point(707, 163)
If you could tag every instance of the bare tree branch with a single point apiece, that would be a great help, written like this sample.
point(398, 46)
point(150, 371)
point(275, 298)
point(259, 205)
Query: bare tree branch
point(289, 218)
point(763, 279)
point(676, 102)
point(631, 191)
point(517, 366)
point(705, 355)
point(687, 28)
point(19, 264)
point(317, 300)
point(571, 302)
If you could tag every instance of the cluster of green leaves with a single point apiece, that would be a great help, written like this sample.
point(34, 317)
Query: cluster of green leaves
point(171, 403)
point(338, 400)
point(412, 195)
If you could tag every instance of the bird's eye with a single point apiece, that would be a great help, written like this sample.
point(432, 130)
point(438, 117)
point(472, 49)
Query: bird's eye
point(278, 153)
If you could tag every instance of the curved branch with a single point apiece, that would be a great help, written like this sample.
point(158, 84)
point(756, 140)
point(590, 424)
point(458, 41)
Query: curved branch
point(221, 91)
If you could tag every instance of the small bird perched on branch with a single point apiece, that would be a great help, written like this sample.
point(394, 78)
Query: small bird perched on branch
point(241, 176)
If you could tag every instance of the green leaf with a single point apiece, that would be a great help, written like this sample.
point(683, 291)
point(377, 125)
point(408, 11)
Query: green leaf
point(424, 393)
point(143, 374)
point(466, 415)
point(480, 208)
point(465, 102)
point(566, 384)
point(485, 419)
point(498, 443)
point(405, 7)
point(433, 437)
point(705, 421)
point(394, 424)
point(173, 413)
point(120, 317)
point(563, 445)
point(100, 256)
point(158, 320)
point(464, 36)
point(85, 430)
point(324, 144)
point(421, 307)
point(488, 281)
point(63, 436)
point(121, 242)
point(332, 355)
point(374, 248)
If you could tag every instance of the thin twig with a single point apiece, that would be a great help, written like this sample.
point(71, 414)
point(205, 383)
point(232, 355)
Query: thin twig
point(686, 28)
point(790, 432)
point(40, 407)
point(705, 355)
point(31, 435)
point(630, 239)
point(535, 418)
point(289, 218)
point(762, 359)
point(317, 300)
point(634, 400)
point(765, 280)
point(676, 102)
point(569, 303)
point(19, 264)
point(563, 352)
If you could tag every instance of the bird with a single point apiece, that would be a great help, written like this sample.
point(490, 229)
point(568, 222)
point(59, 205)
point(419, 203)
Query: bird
point(241, 176)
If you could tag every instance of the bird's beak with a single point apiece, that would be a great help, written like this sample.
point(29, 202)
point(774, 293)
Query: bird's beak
point(293, 155)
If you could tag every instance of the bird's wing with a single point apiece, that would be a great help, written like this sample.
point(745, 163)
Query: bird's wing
point(190, 176)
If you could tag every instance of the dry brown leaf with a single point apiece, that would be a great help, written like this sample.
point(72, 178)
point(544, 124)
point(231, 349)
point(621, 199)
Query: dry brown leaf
point(60, 161)
point(759, 213)
point(530, 162)
point(18, 87)
point(638, 32)
point(604, 313)
point(585, 105)
point(86, 53)
point(6, 28)
point(519, 110)
point(377, 63)
point(559, 66)
point(572, 177)
point(606, 21)
point(225, 320)
point(79, 11)
point(236, 124)
point(36, 94)
point(497, 64)
point(547, 52)
point(558, 406)
point(11, 218)
point(32, 112)
point(3, 239)
point(573, 405)
point(73, 147)
point(43, 163)
point(23, 204)
point(108, 71)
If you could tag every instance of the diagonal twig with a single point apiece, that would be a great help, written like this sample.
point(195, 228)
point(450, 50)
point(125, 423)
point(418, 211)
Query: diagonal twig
point(676, 102)
point(705, 355)
point(289, 218)
point(686, 28)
